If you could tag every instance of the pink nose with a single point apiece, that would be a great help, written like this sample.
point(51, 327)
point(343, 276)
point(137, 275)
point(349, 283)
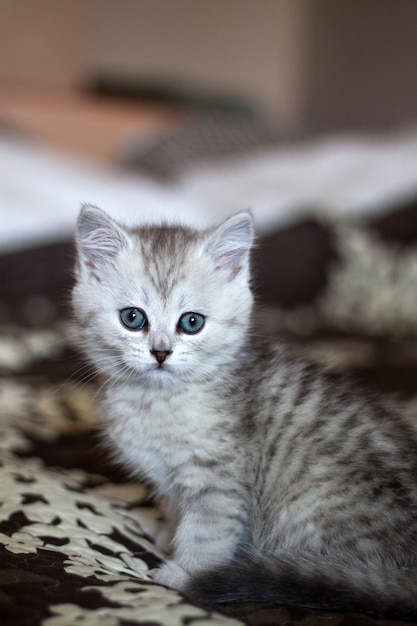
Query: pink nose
point(160, 355)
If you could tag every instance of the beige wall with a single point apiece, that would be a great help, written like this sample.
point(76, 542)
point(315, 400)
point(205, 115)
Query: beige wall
point(253, 48)
point(362, 64)
point(315, 64)
point(43, 41)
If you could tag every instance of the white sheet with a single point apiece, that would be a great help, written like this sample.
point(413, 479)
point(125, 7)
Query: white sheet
point(41, 190)
point(344, 175)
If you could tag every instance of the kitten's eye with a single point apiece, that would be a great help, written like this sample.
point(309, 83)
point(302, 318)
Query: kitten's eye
point(191, 323)
point(134, 319)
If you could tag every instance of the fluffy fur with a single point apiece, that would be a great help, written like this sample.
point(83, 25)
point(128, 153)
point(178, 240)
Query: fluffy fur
point(282, 484)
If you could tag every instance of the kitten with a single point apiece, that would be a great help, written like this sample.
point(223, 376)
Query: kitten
point(285, 485)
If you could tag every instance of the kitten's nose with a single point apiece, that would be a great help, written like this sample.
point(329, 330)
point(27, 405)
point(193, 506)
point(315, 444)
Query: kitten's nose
point(161, 355)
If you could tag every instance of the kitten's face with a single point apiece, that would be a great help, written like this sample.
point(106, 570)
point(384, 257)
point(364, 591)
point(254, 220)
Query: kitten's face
point(161, 305)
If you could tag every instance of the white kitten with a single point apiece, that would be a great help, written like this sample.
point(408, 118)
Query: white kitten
point(283, 485)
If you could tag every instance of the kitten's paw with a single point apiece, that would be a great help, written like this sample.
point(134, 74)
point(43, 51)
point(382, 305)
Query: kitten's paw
point(172, 575)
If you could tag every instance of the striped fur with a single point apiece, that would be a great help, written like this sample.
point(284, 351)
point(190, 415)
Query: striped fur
point(285, 484)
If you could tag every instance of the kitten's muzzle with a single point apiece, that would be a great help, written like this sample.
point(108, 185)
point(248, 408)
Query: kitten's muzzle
point(161, 355)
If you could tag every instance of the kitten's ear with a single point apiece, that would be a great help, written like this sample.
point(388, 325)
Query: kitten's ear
point(99, 238)
point(230, 243)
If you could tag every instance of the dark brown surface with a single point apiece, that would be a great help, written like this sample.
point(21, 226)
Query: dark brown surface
point(398, 227)
point(291, 265)
point(35, 284)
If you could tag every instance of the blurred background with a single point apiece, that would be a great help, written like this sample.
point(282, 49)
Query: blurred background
point(312, 65)
point(196, 108)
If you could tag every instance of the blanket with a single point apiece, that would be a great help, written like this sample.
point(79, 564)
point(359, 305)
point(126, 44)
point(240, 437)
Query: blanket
point(77, 534)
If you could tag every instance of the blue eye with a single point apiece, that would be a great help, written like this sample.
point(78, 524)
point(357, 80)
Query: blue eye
point(191, 323)
point(133, 318)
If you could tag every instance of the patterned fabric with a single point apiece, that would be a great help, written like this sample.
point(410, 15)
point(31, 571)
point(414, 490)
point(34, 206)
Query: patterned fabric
point(76, 533)
point(76, 545)
point(368, 289)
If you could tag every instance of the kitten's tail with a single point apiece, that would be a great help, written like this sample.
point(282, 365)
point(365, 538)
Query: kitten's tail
point(317, 584)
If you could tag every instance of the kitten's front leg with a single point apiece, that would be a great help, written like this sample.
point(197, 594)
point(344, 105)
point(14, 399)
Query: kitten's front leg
point(166, 532)
point(212, 525)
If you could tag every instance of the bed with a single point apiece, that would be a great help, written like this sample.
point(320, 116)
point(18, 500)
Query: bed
point(336, 273)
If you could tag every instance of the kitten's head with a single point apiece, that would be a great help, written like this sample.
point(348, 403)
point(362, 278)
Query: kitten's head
point(162, 305)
